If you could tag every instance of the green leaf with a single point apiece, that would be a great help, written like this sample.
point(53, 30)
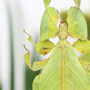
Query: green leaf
point(46, 2)
point(44, 47)
point(77, 2)
point(77, 25)
point(83, 46)
point(48, 28)
point(63, 71)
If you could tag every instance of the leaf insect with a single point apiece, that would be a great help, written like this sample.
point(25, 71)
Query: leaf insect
point(63, 70)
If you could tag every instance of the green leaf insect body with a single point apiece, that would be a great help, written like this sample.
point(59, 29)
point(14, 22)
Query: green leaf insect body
point(63, 69)
point(77, 2)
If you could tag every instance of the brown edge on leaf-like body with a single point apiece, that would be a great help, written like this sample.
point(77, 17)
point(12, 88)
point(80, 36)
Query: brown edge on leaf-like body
point(26, 48)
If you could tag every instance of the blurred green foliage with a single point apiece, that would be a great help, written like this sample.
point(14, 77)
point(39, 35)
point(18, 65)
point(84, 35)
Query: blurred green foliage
point(11, 35)
point(0, 87)
point(29, 76)
point(11, 46)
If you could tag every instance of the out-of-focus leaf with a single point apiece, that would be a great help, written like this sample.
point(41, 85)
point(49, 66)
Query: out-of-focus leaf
point(46, 2)
point(77, 2)
point(0, 87)
point(48, 28)
point(83, 46)
point(77, 25)
point(44, 47)
point(29, 76)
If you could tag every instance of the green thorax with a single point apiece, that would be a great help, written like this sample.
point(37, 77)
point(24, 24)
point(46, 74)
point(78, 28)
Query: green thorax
point(63, 43)
point(63, 33)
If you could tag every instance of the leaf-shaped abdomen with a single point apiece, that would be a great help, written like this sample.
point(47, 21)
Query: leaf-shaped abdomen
point(63, 71)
